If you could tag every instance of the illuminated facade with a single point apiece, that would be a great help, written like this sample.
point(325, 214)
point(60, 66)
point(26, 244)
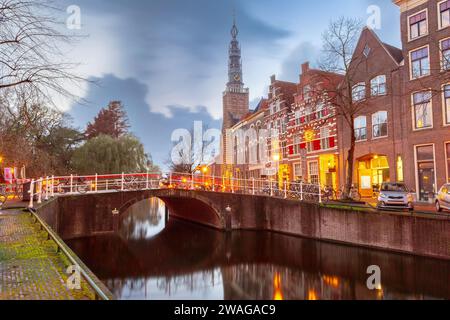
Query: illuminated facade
point(312, 138)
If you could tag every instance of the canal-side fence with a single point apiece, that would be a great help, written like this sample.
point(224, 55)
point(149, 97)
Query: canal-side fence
point(101, 292)
point(49, 187)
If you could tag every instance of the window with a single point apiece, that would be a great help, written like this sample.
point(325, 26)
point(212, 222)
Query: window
point(307, 92)
point(445, 54)
point(422, 110)
point(418, 25)
point(400, 175)
point(278, 105)
point(298, 115)
point(297, 147)
point(379, 124)
point(447, 149)
point(359, 91)
point(361, 128)
point(284, 149)
point(324, 138)
point(284, 124)
point(366, 51)
point(313, 172)
point(378, 86)
point(420, 63)
point(444, 12)
point(447, 103)
point(298, 171)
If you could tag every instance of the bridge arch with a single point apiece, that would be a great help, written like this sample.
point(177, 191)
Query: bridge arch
point(186, 205)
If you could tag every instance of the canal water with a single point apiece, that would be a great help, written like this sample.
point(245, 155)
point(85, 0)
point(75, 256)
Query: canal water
point(162, 260)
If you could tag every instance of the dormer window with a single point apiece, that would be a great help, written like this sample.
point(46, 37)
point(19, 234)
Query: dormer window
point(418, 25)
point(366, 51)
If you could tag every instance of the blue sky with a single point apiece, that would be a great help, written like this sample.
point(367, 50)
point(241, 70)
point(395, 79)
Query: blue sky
point(166, 60)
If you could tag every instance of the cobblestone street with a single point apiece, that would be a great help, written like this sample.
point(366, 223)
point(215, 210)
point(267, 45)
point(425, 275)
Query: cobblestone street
point(30, 267)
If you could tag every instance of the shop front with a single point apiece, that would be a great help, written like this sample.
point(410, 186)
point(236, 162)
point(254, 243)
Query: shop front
point(426, 172)
point(328, 170)
point(373, 170)
point(284, 174)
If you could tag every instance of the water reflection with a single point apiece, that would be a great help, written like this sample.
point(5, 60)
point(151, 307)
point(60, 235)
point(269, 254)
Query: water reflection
point(144, 220)
point(151, 260)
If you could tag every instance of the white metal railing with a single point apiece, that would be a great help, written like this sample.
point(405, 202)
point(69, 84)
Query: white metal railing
point(48, 187)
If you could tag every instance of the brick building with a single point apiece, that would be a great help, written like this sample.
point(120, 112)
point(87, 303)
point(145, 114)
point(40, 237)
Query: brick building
point(375, 77)
point(276, 119)
point(402, 127)
point(248, 140)
point(312, 129)
point(425, 29)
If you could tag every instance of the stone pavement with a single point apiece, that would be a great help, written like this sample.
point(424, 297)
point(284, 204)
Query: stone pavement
point(30, 267)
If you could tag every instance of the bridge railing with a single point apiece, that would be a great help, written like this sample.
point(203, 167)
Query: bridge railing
point(48, 187)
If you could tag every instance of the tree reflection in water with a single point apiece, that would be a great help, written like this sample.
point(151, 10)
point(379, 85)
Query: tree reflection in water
point(151, 260)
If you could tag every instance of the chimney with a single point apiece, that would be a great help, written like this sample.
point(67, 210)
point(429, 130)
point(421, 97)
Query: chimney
point(305, 67)
point(273, 78)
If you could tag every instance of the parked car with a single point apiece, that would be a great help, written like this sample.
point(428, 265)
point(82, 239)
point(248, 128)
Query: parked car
point(443, 198)
point(395, 196)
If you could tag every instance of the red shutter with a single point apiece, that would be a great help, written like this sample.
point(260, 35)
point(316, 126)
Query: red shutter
point(316, 145)
point(303, 146)
point(291, 150)
point(332, 142)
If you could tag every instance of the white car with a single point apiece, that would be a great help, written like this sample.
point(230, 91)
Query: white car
point(443, 198)
point(395, 196)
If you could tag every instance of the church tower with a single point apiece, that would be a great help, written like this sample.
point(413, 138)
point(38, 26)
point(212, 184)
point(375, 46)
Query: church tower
point(236, 96)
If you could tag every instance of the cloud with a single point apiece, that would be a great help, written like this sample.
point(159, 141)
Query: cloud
point(177, 48)
point(291, 67)
point(153, 128)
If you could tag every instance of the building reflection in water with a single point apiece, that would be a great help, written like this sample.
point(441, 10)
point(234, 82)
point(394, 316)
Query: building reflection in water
point(151, 260)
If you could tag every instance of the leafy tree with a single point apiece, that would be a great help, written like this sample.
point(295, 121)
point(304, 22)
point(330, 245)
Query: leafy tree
point(60, 145)
point(104, 154)
point(111, 121)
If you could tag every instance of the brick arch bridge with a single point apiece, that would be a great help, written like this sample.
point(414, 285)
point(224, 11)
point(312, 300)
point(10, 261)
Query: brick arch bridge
point(74, 216)
point(200, 207)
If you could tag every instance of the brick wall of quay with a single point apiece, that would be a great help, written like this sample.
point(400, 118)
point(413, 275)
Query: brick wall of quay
point(82, 216)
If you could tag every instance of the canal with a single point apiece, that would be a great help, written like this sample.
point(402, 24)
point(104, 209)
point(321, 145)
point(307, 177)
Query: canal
point(155, 259)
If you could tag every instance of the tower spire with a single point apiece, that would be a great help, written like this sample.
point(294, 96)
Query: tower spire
point(234, 29)
point(235, 82)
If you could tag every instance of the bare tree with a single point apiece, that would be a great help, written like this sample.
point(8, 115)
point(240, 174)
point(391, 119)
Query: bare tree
point(339, 44)
point(31, 57)
point(189, 156)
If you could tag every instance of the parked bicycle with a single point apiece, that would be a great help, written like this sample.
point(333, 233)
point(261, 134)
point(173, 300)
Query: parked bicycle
point(3, 195)
point(12, 191)
point(78, 184)
point(354, 193)
point(328, 194)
